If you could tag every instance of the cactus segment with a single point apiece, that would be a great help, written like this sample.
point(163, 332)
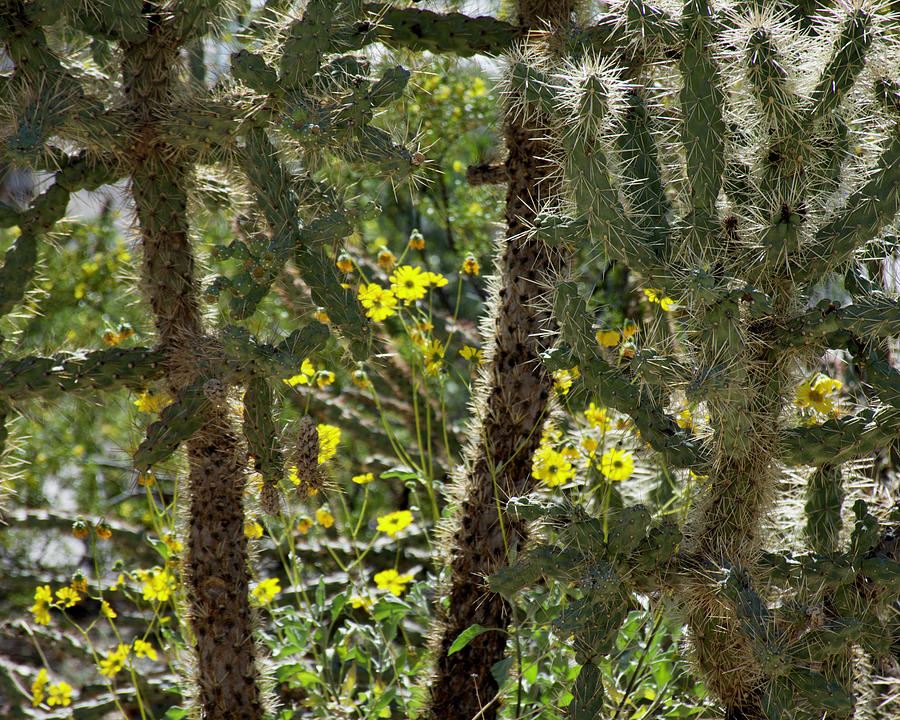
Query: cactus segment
point(177, 422)
point(17, 271)
point(840, 439)
point(308, 39)
point(769, 80)
point(282, 360)
point(588, 694)
point(452, 33)
point(867, 211)
point(26, 45)
point(702, 101)
point(263, 441)
point(824, 496)
point(389, 87)
point(885, 381)
point(845, 65)
point(252, 70)
point(49, 377)
point(642, 179)
point(651, 24)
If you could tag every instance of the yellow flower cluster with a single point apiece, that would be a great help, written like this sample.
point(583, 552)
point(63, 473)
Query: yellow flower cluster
point(158, 584)
point(329, 437)
point(308, 374)
point(324, 518)
point(563, 379)
point(598, 417)
point(59, 694)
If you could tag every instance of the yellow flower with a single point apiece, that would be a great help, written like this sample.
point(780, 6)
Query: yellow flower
point(266, 591)
point(629, 330)
point(114, 661)
point(814, 393)
point(149, 402)
point(360, 379)
point(118, 583)
point(433, 353)
point(79, 582)
point(470, 265)
point(562, 380)
point(416, 240)
point(329, 437)
point(589, 445)
point(304, 525)
point(386, 259)
point(67, 597)
point(80, 529)
point(324, 378)
point(597, 417)
point(380, 303)
point(551, 467)
point(654, 296)
point(253, 530)
point(37, 688)
point(321, 316)
point(363, 479)
point(392, 581)
point(394, 522)
point(409, 283)
point(344, 263)
point(146, 479)
point(608, 338)
point(59, 694)
point(111, 338)
point(474, 355)
point(158, 586)
point(144, 649)
point(41, 613)
point(324, 518)
point(436, 279)
point(307, 371)
point(104, 531)
point(107, 610)
point(357, 602)
point(43, 594)
point(685, 420)
point(616, 465)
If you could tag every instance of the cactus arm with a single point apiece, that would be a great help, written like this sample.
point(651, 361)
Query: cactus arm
point(642, 179)
point(177, 422)
point(49, 377)
point(453, 33)
point(840, 439)
point(651, 24)
point(845, 65)
point(833, 326)
point(702, 103)
point(824, 496)
point(270, 182)
point(260, 431)
point(867, 211)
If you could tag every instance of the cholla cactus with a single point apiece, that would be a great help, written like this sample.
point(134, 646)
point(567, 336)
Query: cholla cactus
point(297, 91)
point(734, 181)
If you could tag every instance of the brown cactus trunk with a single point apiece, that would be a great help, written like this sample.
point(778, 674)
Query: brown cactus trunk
point(216, 572)
point(511, 400)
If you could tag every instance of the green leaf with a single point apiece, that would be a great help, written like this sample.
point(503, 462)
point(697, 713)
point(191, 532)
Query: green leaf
point(466, 636)
point(500, 669)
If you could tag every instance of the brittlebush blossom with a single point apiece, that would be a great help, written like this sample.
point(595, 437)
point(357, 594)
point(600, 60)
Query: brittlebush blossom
point(616, 465)
point(394, 522)
point(37, 688)
point(814, 393)
point(114, 661)
point(307, 372)
point(409, 283)
point(473, 355)
point(266, 590)
point(67, 597)
point(551, 467)
point(363, 479)
point(59, 694)
point(470, 265)
point(158, 585)
point(329, 437)
point(598, 417)
point(149, 402)
point(324, 518)
point(392, 581)
point(304, 525)
point(608, 338)
point(379, 302)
